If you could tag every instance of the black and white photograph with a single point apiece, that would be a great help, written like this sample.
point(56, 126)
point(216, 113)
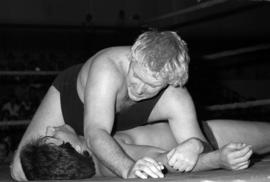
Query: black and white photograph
point(133, 90)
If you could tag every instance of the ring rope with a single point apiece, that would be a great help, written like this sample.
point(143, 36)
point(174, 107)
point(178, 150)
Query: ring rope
point(238, 105)
point(218, 107)
point(14, 123)
point(28, 73)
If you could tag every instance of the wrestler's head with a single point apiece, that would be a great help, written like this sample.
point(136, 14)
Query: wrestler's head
point(157, 59)
point(56, 157)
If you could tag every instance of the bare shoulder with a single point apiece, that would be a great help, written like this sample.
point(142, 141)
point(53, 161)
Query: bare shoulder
point(170, 103)
point(110, 63)
point(175, 94)
point(173, 99)
point(110, 55)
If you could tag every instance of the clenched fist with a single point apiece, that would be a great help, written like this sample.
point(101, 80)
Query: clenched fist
point(235, 156)
point(185, 156)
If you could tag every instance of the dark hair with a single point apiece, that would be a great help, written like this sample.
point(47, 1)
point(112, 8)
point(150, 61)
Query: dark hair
point(47, 161)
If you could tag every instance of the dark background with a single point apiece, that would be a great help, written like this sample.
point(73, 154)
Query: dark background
point(228, 41)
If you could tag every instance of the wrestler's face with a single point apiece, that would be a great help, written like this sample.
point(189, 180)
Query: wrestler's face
point(59, 135)
point(141, 83)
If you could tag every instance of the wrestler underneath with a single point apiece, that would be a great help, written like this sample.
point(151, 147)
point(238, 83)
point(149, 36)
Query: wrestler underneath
point(151, 143)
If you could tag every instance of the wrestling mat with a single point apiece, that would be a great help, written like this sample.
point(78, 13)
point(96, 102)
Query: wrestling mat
point(259, 172)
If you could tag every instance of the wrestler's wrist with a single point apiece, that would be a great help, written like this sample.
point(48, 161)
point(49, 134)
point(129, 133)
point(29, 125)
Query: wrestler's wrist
point(128, 172)
point(218, 156)
point(162, 157)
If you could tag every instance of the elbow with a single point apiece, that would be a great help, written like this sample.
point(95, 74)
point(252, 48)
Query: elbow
point(204, 146)
point(93, 137)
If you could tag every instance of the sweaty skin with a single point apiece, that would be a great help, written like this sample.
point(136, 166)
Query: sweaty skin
point(152, 143)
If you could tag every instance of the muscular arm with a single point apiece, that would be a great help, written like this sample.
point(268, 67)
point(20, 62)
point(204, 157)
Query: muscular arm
point(99, 101)
point(176, 105)
point(109, 152)
point(184, 125)
point(233, 156)
point(207, 161)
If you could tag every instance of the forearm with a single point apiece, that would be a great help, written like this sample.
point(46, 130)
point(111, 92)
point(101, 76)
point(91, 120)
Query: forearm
point(203, 160)
point(198, 146)
point(108, 151)
point(208, 161)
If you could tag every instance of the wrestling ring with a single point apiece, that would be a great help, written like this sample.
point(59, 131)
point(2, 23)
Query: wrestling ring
point(259, 171)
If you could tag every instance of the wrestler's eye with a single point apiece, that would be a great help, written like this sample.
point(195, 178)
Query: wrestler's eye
point(152, 86)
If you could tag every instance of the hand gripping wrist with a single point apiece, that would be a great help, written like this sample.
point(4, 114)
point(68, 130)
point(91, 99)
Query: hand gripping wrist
point(203, 146)
point(128, 172)
point(206, 147)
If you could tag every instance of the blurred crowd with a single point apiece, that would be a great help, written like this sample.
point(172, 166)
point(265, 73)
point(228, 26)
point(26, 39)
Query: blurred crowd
point(21, 103)
point(6, 152)
point(38, 60)
point(21, 94)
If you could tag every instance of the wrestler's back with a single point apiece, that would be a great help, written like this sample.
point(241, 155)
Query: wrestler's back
point(157, 135)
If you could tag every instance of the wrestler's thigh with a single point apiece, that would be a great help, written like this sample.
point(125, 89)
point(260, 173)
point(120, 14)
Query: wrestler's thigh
point(253, 133)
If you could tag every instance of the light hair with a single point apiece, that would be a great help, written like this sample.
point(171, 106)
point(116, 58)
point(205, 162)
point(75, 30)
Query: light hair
point(163, 53)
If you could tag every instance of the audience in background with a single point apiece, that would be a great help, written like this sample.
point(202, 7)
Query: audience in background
point(5, 150)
